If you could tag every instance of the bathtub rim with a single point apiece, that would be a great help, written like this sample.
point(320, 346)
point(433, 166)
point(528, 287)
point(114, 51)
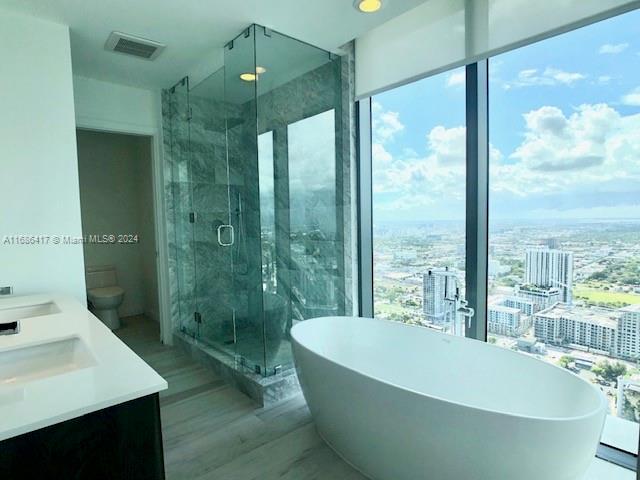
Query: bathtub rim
point(603, 404)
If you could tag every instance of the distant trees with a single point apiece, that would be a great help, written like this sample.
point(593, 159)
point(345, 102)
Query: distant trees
point(394, 293)
point(623, 272)
point(411, 303)
point(609, 372)
point(565, 361)
point(600, 276)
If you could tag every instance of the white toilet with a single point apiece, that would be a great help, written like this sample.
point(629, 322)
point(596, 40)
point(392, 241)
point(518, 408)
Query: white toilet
point(104, 294)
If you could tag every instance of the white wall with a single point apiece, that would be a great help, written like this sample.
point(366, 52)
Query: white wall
point(39, 169)
point(111, 106)
point(148, 254)
point(116, 197)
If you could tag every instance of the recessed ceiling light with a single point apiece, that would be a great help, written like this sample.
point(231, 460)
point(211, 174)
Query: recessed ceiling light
point(248, 77)
point(251, 76)
point(368, 6)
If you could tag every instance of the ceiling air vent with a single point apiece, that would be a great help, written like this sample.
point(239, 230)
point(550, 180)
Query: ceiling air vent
point(133, 45)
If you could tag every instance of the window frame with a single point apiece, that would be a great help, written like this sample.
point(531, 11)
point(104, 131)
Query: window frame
point(477, 199)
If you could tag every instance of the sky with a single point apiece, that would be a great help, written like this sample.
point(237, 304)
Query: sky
point(564, 128)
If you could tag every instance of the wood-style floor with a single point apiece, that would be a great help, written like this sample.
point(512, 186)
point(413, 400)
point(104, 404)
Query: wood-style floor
point(212, 431)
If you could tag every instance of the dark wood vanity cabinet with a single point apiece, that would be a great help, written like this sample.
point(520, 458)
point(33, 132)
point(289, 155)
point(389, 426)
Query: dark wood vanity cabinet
point(118, 443)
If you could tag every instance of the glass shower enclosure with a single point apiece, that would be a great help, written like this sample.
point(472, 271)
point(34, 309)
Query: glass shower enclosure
point(257, 161)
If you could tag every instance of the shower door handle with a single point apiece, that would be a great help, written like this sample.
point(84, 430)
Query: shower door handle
point(232, 239)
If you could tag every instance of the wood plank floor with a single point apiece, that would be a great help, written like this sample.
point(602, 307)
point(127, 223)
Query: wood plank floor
point(212, 431)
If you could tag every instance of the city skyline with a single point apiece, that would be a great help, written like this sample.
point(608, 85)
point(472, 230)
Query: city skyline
point(403, 253)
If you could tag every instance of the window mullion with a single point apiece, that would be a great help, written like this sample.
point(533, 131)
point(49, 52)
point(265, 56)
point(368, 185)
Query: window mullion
point(365, 209)
point(477, 196)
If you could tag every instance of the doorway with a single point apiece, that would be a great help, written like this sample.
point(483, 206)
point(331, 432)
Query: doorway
point(118, 219)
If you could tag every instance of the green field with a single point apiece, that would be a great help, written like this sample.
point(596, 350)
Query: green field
point(608, 296)
point(388, 309)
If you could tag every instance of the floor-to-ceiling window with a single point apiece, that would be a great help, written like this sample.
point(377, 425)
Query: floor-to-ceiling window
point(564, 237)
point(418, 198)
point(563, 262)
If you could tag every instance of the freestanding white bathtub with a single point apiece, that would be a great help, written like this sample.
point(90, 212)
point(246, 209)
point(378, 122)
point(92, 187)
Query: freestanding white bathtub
point(408, 403)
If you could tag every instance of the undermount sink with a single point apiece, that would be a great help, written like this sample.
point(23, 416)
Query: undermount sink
point(22, 365)
point(13, 314)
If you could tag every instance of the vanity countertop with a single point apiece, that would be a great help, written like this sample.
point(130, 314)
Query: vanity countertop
point(106, 373)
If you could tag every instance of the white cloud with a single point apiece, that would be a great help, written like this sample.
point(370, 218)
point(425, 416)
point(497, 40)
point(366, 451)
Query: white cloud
point(592, 151)
point(528, 75)
point(563, 77)
point(424, 180)
point(549, 77)
point(386, 124)
point(554, 142)
point(613, 49)
point(574, 162)
point(381, 157)
point(632, 98)
point(456, 78)
point(448, 145)
point(604, 79)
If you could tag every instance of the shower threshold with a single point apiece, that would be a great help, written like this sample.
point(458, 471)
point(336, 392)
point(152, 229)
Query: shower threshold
point(263, 390)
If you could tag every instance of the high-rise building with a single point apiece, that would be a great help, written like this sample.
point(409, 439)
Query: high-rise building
point(438, 286)
point(525, 305)
point(629, 332)
point(541, 297)
point(553, 243)
point(545, 267)
point(505, 320)
point(591, 328)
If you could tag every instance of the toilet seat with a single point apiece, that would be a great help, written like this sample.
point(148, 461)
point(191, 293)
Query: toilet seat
point(105, 292)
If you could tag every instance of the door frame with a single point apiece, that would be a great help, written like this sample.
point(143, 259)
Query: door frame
point(161, 242)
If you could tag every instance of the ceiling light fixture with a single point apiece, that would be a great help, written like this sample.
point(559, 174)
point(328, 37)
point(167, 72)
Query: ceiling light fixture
point(368, 6)
point(251, 76)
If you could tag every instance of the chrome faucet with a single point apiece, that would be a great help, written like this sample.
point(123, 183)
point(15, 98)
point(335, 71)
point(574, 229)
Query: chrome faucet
point(460, 304)
point(466, 311)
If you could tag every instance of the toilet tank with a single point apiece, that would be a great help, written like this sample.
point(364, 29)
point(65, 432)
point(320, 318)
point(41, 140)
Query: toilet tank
point(101, 276)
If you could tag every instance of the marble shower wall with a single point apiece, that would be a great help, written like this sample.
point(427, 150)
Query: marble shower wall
point(313, 223)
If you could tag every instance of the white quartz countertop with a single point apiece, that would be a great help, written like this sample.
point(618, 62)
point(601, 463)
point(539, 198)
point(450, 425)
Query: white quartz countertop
point(115, 374)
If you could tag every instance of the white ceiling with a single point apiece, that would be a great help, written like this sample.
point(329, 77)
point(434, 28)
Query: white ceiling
point(194, 30)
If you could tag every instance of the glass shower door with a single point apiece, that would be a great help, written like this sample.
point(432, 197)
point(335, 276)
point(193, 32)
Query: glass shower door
point(177, 110)
point(240, 79)
point(214, 235)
